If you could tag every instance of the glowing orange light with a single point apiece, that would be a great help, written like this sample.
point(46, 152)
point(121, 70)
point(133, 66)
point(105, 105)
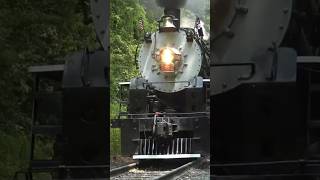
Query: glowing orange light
point(167, 56)
point(167, 68)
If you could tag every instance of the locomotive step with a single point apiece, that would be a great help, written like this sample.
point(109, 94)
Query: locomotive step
point(44, 165)
point(48, 71)
point(167, 156)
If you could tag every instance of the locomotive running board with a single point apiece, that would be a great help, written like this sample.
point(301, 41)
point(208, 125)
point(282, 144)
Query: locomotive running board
point(167, 156)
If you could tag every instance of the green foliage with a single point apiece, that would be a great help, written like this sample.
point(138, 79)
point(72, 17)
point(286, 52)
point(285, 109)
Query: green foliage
point(115, 144)
point(32, 32)
point(125, 15)
point(124, 39)
point(153, 11)
point(14, 153)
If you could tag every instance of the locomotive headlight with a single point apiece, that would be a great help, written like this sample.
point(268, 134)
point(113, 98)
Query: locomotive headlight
point(169, 59)
point(167, 56)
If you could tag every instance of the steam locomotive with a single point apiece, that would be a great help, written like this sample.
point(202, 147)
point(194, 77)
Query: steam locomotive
point(264, 92)
point(167, 107)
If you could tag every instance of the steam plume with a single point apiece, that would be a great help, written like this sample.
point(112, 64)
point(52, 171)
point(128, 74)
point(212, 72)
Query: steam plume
point(172, 4)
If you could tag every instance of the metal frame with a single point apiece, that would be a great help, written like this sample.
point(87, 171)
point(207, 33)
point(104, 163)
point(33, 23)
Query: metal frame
point(166, 156)
point(53, 72)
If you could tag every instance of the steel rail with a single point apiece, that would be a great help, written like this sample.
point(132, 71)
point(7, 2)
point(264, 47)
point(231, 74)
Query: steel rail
point(122, 169)
point(178, 171)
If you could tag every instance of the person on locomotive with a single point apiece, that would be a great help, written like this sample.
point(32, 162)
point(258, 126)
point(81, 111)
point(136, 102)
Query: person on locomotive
point(199, 28)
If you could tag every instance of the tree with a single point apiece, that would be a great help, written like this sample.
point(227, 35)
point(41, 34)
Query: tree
point(32, 32)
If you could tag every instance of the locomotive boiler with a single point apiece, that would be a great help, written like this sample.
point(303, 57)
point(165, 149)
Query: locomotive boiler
point(264, 91)
point(167, 106)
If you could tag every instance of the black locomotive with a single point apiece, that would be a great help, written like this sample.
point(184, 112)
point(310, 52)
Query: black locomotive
point(264, 92)
point(168, 106)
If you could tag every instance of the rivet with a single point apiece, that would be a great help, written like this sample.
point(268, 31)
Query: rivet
point(224, 85)
point(242, 10)
point(228, 33)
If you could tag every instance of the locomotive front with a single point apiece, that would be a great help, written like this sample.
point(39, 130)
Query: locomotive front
point(167, 106)
point(171, 59)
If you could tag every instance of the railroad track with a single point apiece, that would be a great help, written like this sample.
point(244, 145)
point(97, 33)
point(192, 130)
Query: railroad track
point(134, 171)
point(200, 172)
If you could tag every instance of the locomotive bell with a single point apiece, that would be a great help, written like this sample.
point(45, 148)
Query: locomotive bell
point(172, 8)
point(168, 22)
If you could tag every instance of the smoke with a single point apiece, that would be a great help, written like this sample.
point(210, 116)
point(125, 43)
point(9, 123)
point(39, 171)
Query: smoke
point(190, 9)
point(189, 22)
point(200, 7)
point(194, 9)
point(171, 3)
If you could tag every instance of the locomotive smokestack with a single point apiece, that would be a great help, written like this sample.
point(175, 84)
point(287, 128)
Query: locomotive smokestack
point(175, 13)
point(172, 7)
point(171, 4)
